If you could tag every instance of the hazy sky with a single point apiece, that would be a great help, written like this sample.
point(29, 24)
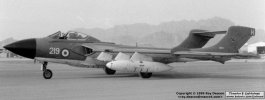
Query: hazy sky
point(37, 18)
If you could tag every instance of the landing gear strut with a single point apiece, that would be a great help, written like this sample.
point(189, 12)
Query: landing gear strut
point(47, 73)
point(109, 71)
point(145, 74)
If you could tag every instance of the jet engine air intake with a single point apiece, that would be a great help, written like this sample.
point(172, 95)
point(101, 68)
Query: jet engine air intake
point(89, 51)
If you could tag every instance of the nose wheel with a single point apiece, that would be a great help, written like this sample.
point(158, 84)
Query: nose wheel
point(47, 73)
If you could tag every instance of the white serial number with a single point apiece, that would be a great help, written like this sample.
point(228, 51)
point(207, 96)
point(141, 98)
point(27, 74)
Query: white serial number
point(54, 51)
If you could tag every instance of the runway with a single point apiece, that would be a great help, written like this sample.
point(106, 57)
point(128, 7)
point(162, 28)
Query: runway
point(22, 80)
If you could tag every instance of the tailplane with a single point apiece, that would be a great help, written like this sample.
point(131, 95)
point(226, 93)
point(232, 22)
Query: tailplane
point(197, 39)
point(235, 38)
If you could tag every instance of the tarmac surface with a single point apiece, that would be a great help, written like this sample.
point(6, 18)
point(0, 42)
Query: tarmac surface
point(22, 80)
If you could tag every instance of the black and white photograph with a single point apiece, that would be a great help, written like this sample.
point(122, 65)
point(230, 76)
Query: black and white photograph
point(132, 49)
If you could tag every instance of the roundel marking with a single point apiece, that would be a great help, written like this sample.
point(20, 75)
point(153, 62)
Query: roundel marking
point(65, 52)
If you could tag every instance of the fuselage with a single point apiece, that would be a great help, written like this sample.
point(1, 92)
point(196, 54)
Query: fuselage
point(74, 53)
point(75, 50)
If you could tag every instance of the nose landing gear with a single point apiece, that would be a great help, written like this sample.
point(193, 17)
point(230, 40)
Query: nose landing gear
point(47, 73)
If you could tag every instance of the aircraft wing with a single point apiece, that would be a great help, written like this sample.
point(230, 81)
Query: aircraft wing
point(215, 56)
point(105, 47)
point(196, 53)
point(209, 33)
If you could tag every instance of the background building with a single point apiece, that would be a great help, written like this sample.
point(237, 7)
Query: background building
point(252, 48)
point(255, 48)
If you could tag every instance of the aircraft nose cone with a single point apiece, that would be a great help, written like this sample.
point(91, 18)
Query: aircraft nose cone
point(25, 48)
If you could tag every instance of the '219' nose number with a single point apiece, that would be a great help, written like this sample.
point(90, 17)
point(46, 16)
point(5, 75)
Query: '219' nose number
point(53, 51)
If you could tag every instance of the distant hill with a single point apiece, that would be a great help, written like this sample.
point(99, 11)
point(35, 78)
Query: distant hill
point(166, 34)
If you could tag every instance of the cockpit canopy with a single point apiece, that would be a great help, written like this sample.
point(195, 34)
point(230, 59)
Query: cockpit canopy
point(72, 35)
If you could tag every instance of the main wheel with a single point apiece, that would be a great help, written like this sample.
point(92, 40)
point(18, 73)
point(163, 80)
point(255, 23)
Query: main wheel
point(109, 71)
point(47, 74)
point(145, 75)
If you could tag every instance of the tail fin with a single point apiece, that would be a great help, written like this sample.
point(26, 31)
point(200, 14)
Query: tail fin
point(235, 38)
point(196, 39)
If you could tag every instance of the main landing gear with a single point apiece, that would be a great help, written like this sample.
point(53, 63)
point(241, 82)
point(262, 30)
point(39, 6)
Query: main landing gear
point(109, 71)
point(47, 73)
point(145, 74)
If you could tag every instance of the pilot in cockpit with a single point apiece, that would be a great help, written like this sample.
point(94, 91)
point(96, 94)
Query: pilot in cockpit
point(63, 36)
point(72, 35)
point(57, 35)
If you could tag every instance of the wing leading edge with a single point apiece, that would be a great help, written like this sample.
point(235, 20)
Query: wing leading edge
point(102, 47)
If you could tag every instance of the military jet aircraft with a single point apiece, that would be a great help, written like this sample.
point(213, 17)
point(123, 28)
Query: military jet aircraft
point(81, 50)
